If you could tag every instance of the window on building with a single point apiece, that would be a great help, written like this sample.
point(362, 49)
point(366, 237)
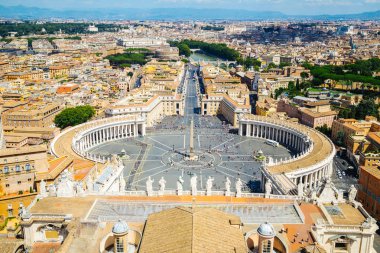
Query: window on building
point(119, 245)
point(6, 169)
point(29, 179)
point(18, 169)
point(27, 167)
point(7, 185)
point(18, 182)
point(267, 246)
point(341, 246)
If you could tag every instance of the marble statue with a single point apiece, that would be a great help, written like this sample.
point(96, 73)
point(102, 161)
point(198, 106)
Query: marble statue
point(228, 187)
point(149, 186)
point(69, 174)
point(122, 183)
point(209, 182)
point(314, 195)
point(268, 187)
point(329, 193)
point(89, 183)
point(52, 190)
point(352, 193)
point(238, 186)
point(115, 162)
point(180, 182)
point(65, 186)
point(79, 189)
point(25, 214)
point(162, 184)
point(340, 197)
point(300, 189)
point(43, 188)
point(193, 184)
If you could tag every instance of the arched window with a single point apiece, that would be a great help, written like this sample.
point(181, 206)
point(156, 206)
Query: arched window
point(6, 169)
point(267, 246)
point(27, 167)
point(18, 169)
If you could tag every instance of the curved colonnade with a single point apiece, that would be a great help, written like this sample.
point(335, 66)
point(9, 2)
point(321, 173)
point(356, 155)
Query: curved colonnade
point(314, 159)
point(311, 164)
point(78, 140)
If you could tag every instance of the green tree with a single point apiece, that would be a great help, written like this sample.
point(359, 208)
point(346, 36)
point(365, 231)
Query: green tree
point(271, 66)
point(291, 86)
point(304, 75)
point(298, 84)
point(220, 50)
point(325, 130)
point(366, 107)
point(284, 64)
point(136, 56)
point(340, 138)
point(74, 116)
point(278, 92)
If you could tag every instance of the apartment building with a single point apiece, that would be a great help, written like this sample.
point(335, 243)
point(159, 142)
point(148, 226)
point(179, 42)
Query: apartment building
point(37, 114)
point(18, 167)
point(311, 113)
point(225, 94)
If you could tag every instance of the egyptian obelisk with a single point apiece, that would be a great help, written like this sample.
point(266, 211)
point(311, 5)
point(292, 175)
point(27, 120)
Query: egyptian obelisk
point(191, 153)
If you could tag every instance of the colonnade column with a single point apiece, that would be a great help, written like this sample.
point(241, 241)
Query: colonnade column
point(248, 130)
point(143, 129)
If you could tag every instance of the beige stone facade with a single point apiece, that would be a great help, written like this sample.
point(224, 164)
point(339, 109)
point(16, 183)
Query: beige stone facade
point(18, 168)
point(32, 115)
point(225, 95)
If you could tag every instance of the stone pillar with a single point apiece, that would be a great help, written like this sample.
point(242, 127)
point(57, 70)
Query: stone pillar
point(86, 141)
point(310, 180)
point(248, 130)
point(241, 129)
point(316, 179)
point(143, 129)
point(293, 141)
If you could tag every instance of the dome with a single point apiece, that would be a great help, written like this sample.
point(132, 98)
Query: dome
point(120, 227)
point(266, 230)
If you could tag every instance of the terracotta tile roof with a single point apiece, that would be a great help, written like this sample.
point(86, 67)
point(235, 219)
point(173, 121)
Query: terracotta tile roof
point(47, 247)
point(298, 235)
point(81, 168)
point(56, 166)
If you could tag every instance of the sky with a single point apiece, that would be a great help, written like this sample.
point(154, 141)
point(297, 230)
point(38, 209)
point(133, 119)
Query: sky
point(292, 7)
